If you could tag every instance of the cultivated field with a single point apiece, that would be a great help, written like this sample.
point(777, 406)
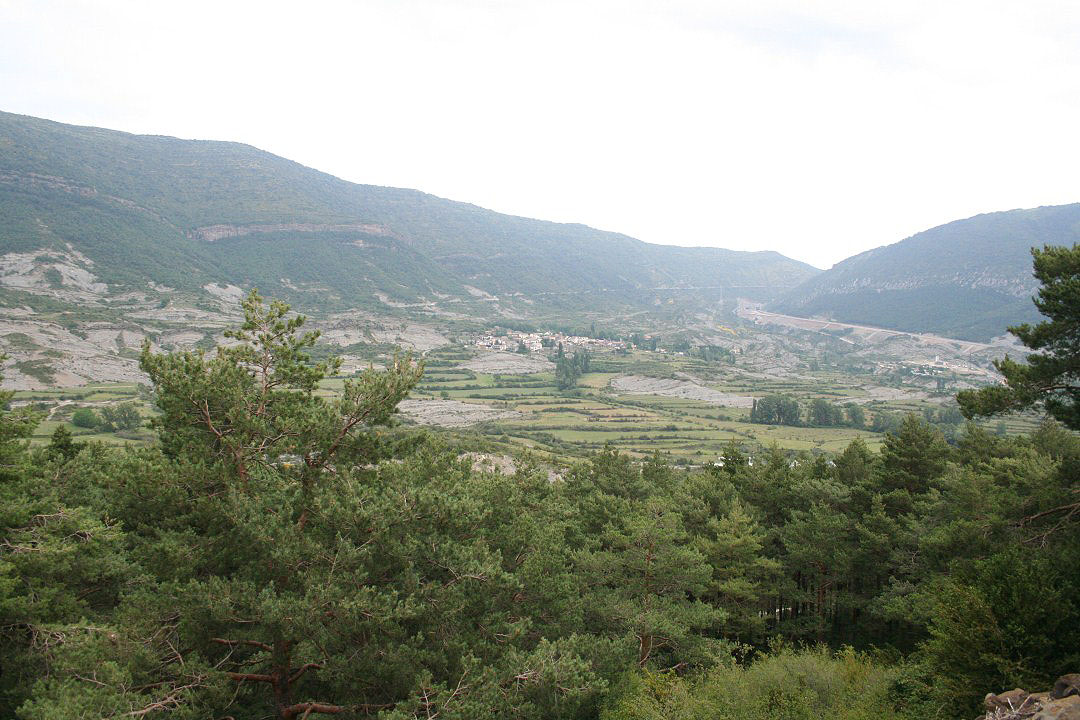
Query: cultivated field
point(640, 402)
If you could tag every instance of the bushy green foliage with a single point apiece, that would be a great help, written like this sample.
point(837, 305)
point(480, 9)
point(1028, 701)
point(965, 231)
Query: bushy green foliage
point(782, 409)
point(85, 418)
point(823, 413)
point(1009, 621)
point(15, 427)
point(122, 416)
point(912, 458)
point(783, 685)
point(776, 410)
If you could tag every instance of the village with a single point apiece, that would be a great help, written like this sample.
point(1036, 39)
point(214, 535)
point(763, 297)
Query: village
point(533, 342)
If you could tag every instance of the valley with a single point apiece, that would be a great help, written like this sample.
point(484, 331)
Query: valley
point(528, 469)
point(683, 389)
point(98, 256)
point(519, 360)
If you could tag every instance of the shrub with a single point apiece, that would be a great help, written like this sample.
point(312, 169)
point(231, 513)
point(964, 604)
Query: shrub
point(85, 418)
point(806, 684)
point(124, 416)
point(1010, 622)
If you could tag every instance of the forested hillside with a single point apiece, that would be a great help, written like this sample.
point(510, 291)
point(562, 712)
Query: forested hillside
point(183, 213)
point(283, 553)
point(968, 279)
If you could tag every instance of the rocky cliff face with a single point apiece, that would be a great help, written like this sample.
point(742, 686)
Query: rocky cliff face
point(213, 233)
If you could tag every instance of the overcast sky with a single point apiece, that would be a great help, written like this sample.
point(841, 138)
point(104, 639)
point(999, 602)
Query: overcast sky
point(817, 128)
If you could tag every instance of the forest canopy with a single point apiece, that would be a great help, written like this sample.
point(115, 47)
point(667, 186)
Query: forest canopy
point(283, 553)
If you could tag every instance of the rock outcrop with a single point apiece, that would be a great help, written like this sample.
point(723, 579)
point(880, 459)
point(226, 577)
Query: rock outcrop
point(1061, 703)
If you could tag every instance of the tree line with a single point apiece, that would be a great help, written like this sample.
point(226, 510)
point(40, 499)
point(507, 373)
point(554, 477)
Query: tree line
point(783, 409)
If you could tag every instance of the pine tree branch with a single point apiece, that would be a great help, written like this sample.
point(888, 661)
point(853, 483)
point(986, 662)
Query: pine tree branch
point(252, 677)
point(252, 643)
point(303, 669)
point(311, 707)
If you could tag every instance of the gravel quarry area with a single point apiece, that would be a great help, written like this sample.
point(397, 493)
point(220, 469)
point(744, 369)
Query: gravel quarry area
point(506, 363)
point(641, 385)
point(357, 326)
point(874, 335)
point(452, 413)
point(420, 338)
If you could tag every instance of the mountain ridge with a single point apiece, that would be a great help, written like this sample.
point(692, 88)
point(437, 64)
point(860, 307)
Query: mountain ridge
point(969, 278)
point(185, 188)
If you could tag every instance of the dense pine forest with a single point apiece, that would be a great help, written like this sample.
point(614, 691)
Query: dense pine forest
point(283, 553)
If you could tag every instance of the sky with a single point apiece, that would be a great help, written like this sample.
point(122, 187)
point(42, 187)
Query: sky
point(818, 128)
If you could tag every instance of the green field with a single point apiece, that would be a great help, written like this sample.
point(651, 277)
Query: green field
point(57, 406)
point(593, 415)
point(560, 424)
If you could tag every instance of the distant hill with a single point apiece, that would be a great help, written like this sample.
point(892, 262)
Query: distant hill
point(968, 279)
point(136, 211)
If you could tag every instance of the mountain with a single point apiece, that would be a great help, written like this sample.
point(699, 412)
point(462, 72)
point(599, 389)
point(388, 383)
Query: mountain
point(968, 279)
point(96, 211)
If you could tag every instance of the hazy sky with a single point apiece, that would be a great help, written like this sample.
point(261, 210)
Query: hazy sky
point(815, 128)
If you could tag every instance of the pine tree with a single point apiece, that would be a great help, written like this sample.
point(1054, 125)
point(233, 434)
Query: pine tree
point(913, 456)
point(643, 576)
point(1050, 378)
